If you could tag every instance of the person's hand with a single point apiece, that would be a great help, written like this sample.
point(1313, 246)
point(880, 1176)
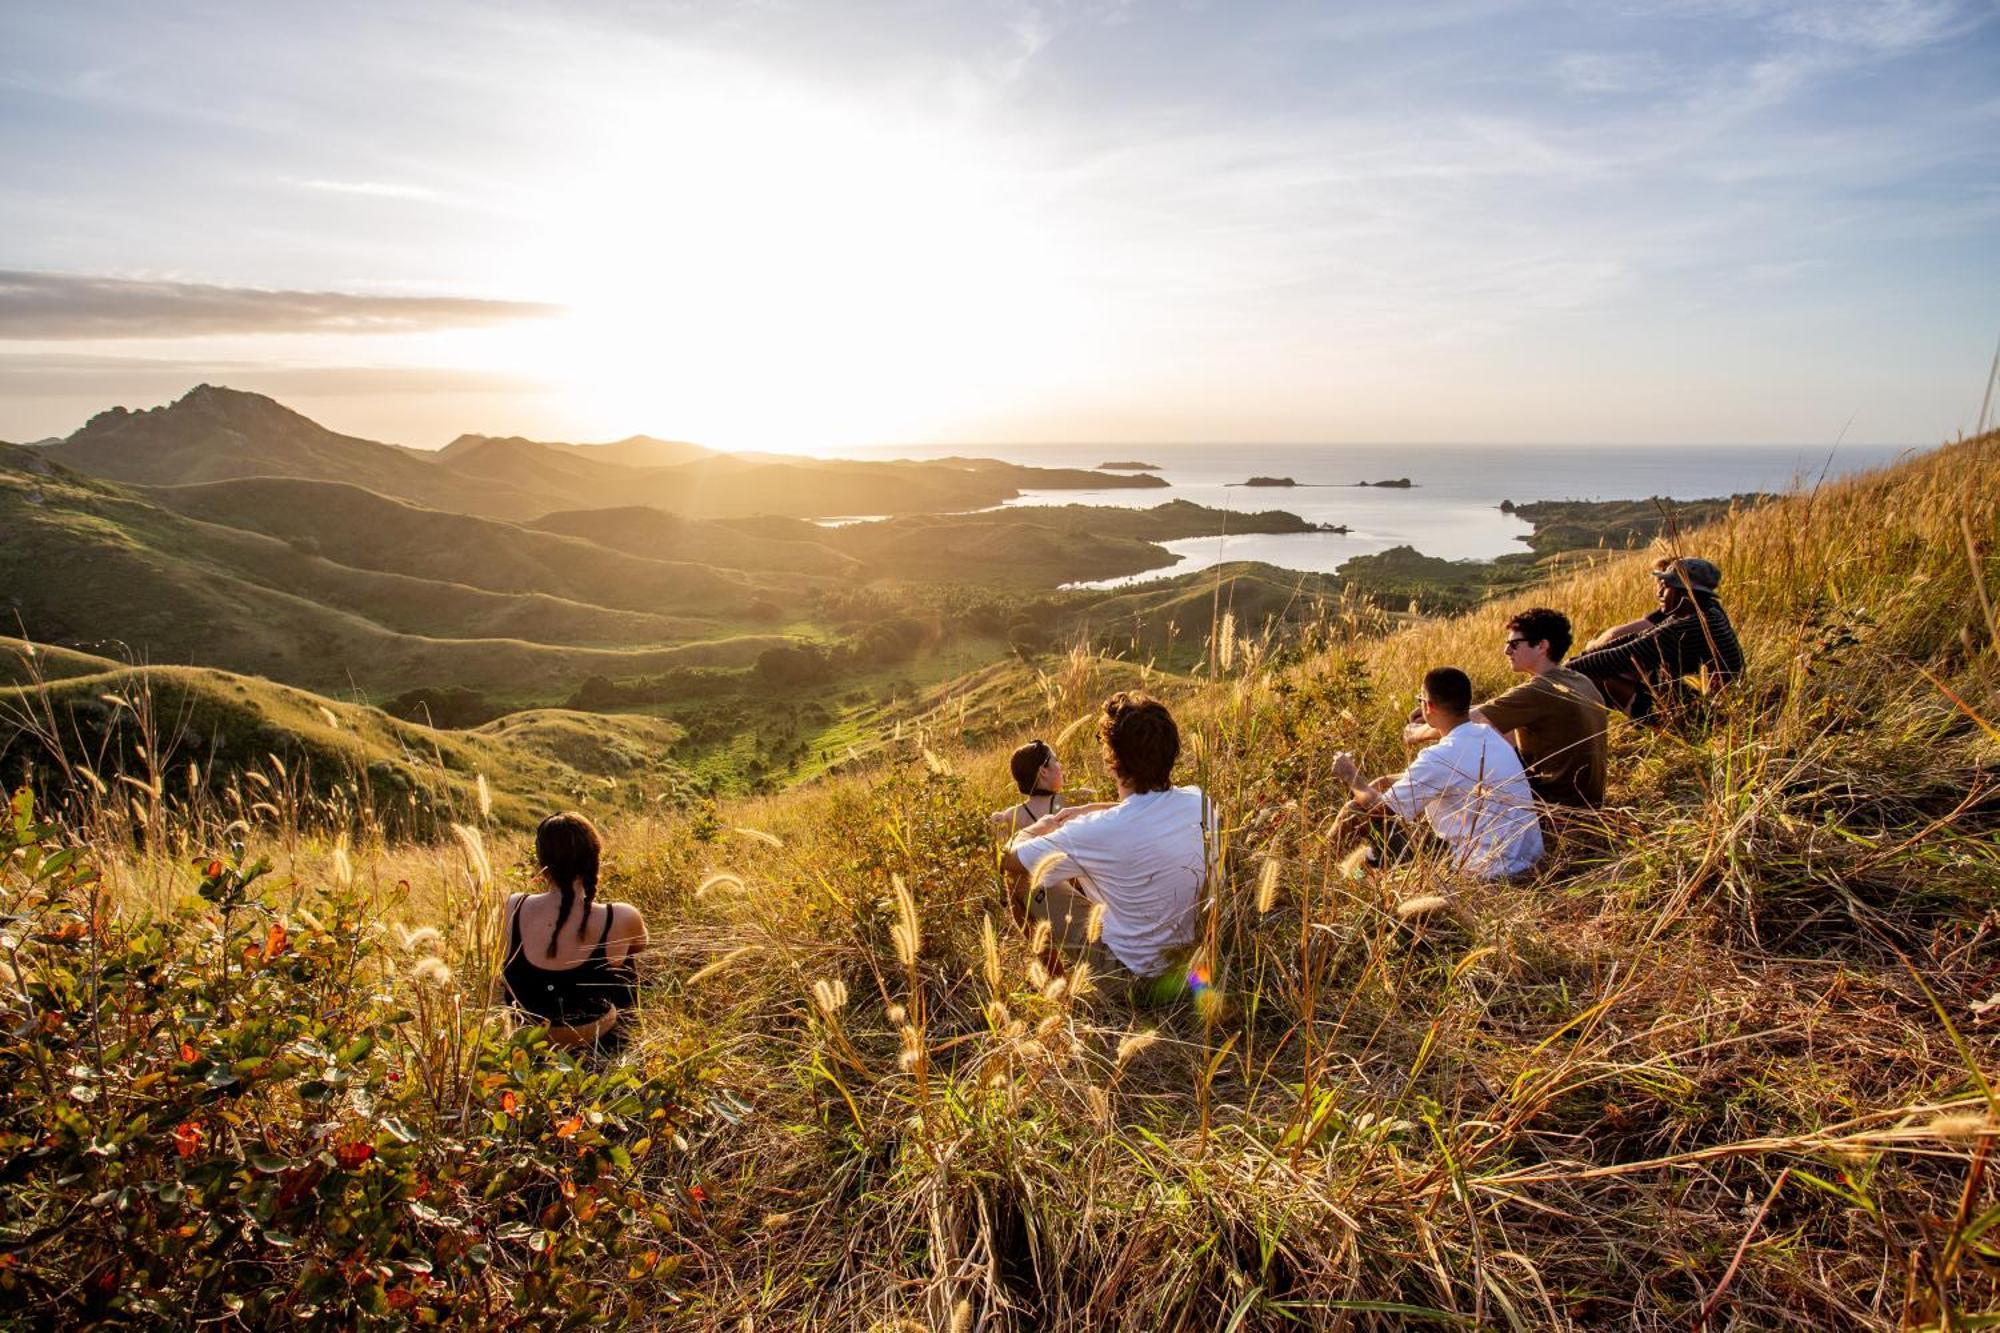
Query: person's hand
point(1044, 826)
point(1419, 733)
point(1346, 768)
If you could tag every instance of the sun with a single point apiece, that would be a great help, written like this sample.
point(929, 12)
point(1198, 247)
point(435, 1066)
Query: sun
point(749, 264)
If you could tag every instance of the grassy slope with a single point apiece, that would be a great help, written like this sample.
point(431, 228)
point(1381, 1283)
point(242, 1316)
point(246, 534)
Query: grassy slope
point(1568, 1105)
point(1700, 1061)
point(368, 531)
point(658, 535)
point(87, 560)
point(229, 725)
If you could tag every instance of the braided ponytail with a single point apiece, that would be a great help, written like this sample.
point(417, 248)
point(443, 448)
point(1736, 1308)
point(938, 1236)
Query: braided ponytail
point(567, 846)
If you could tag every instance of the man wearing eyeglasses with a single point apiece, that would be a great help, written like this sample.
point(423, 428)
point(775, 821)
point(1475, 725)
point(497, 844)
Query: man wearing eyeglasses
point(1556, 718)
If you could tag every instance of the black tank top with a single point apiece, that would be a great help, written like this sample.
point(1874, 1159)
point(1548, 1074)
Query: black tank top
point(570, 996)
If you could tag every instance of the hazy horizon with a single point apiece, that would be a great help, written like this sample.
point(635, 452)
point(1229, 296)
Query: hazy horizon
point(900, 225)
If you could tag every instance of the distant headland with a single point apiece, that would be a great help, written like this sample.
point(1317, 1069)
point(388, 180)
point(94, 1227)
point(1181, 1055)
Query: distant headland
point(1128, 467)
point(1400, 483)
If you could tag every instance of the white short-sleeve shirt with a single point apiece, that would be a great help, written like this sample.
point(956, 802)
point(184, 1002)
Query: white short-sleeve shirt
point(1145, 859)
point(1473, 790)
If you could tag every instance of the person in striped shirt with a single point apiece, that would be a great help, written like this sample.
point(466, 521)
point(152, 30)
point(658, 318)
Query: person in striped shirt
point(1641, 668)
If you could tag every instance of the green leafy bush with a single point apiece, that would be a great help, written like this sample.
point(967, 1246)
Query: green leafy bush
point(242, 1110)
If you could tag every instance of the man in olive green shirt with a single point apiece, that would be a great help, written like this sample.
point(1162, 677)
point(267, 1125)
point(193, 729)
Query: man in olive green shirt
point(1555, 718)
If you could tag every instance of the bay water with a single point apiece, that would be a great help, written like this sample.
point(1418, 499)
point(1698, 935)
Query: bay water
point(1452, 508)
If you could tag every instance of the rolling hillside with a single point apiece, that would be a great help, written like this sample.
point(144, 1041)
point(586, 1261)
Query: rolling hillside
point(228, 725)
point(85, 562)
point(218, 434)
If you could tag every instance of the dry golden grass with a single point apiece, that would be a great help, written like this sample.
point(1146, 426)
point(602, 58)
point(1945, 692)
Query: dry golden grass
point(1727, 1062)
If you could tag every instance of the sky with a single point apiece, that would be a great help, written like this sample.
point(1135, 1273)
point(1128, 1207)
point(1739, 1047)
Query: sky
point(823, 224)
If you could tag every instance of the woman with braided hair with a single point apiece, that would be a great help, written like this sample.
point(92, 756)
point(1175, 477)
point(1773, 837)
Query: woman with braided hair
point(570, 959)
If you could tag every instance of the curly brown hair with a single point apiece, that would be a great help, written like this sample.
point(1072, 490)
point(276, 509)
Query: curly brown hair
point(1141, 742)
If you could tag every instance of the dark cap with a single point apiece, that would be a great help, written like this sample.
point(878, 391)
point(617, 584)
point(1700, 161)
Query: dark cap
point(1690, 572)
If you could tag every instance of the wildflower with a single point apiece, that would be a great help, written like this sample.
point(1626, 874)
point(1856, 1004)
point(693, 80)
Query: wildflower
point(1080, 981)
point(1056, 988)
point(420, 938)
point(758, 835)
point(188, 1138)
point(1420, 906)
point(343, 868)
point(485, 795)
point(1093, 926)
point(895, 1013)
point(1038, 976)
point(997, 1015)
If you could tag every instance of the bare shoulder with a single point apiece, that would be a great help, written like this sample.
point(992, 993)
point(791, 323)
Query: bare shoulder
point(627, 922)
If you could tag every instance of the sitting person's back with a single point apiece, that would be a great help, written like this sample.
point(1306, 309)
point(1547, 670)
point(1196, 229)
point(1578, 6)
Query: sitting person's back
point(1474, 793)
point(572, 970)
point(1469, 786)
point(1144, 858)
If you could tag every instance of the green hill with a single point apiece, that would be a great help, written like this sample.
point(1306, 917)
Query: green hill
point(85, 562)
point(362, 529)
point(655, 534)
point(211, 434)
point(228, 725)
point(218, 434)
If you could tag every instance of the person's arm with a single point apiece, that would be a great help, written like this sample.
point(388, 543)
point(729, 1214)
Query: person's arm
point(1347, 771)
point(628, 927)
point(1631, 629)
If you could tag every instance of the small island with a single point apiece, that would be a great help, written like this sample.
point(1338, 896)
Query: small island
point(1128, 467)
point(1400, 483)
point(1270, 481)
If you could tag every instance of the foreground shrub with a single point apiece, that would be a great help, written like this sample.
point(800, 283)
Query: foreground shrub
point(244, 1110)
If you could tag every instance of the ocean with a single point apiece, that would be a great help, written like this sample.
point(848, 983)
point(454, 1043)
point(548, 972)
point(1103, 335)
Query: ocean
point(1453, 508)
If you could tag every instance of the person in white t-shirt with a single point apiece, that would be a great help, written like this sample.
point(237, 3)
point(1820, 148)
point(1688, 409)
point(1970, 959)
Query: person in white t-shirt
point(1144, 857)
point(1469, 786)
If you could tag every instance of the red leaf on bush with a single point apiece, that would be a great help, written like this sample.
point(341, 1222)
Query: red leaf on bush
point(508, 1101)
point(187, 1052)
point(213, 870)
point(698, 1194)
point(274, 943)
point(569, 1189)
point(187, 1138)
point(569, 1127)
point(351, 1155)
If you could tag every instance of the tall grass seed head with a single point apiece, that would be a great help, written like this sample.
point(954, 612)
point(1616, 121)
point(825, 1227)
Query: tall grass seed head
point(1267, 885)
